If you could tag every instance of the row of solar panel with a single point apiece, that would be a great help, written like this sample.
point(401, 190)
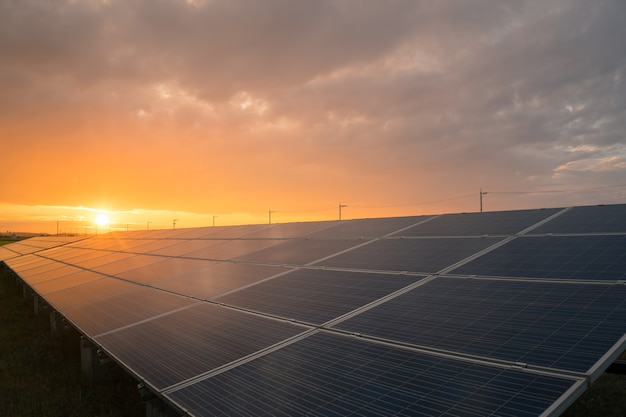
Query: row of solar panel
point(551, 257)
point(288, 328)
point(448, 309)
point(602, 219)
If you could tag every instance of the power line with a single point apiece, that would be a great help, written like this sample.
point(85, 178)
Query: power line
point(420, 204)
point(558, 191)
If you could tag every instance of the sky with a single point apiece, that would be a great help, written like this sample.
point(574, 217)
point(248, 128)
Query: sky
point(231, 111)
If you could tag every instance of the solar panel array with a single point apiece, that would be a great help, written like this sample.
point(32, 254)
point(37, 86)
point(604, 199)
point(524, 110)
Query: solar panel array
point(477, 314)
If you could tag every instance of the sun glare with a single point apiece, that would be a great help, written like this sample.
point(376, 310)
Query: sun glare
point(102, 219)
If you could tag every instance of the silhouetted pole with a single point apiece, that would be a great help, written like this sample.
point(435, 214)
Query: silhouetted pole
point(481, 199)
point(174, 223)
point(214, 220)
point(270, 216)
point(340, 207)
point(148, 225)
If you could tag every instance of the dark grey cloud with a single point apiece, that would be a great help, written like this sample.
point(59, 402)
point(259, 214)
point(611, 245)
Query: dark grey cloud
point(431, 95)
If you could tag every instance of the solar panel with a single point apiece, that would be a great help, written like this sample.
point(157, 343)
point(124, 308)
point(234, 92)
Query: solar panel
point(499, 313)
point(218, 278)
point(333, 375)
point(487, 223)
point(89, 292)
point(367, 228)
point(566, 326)
point(231, 249)
point(123, 308)
point(166, 268)
point(590, 219)
point(66, 281)
point(316, 296)
point(414, 255)
point(299, 251)
point(175, 347)
point(564, 257)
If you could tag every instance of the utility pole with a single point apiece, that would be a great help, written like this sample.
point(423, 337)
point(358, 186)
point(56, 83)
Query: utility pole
point(270, 216)
point(214, 220)
point(481, 198)
point(174, 223)
point(148, 225)
point(340, 207)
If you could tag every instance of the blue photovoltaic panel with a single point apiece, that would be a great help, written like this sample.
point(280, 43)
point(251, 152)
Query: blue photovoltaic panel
point(332, 375)
point(567, 257)
point(231, 249)
point(414, 255)
point(565, 326)
point(151, 245)
point(367, 228)
point(123, 308)
point(89, 292)
point(218, 278)
point(40, 268)
point(6, 253)
point(127, 264)
point(186, 343)
point(66, 281)
point(299, 251)
point(183, 247)
point(73, 255)
point(188, 328)
point(62, 272)
point(590, 219)
point(477, 224)
point(26, 262)
point(107, 258)
point(167, 268)
point(317, 296)
point(289, 230)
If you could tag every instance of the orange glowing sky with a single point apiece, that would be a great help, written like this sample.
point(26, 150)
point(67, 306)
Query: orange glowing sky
point(154, 110)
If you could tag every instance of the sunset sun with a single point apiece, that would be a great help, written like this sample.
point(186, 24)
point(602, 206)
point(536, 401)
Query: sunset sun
point(102, 219)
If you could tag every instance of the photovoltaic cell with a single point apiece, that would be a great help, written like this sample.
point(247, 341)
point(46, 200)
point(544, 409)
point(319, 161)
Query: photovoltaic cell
point(66, 281)
point(231, 249)
point(367, 228)
point(167, 268)
point(299, 251)
point(127, 264)
point(316, 296)
point(565, 326)
point(183, 247)
point(106, 258)
point(414, 255)
point(6, 253)
point(62, 272)
point(289, 230)
point(332, 375)
point(186, 343)
point(566, 315)
point(124, 308)
point(88, 293)
point(566, 257)
point(40, 268)
point(590, 219)
point(26, 262)
point(218, 278)
point(477, 224)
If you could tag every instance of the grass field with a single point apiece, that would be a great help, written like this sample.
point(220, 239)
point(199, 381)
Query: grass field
point(40, 373)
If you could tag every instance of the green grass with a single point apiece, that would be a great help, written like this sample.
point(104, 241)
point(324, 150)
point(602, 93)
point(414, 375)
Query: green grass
point(40, 373)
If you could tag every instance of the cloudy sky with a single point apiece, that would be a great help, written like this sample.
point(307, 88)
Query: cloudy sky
point(152, 110)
